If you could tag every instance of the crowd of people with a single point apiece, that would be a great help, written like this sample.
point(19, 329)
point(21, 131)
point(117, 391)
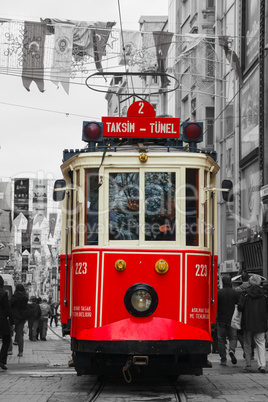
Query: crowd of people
point(251, 300)
point(19, 315)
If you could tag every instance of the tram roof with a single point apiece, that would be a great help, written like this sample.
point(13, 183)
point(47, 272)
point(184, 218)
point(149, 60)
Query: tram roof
point(128, 151)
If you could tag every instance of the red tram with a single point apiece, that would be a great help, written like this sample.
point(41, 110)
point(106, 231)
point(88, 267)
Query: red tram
point(138, 260)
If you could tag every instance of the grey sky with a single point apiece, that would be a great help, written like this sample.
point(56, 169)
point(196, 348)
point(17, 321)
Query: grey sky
point(36, 127)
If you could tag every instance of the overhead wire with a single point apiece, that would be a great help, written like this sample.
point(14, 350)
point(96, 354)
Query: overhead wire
point(67, 114)
point(111, 55)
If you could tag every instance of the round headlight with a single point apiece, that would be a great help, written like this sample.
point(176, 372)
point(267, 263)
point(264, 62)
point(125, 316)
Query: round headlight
point(141, 300)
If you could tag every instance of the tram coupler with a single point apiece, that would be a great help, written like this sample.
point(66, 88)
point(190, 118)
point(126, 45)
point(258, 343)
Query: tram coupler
point(141, 360)
point(125, 370)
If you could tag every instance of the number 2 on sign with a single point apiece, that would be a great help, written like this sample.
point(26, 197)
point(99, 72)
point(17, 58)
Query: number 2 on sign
point(141, 105)
point(201, 270)
point(80, 268)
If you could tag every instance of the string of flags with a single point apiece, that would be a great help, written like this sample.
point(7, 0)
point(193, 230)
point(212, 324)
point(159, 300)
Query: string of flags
point(64, 50)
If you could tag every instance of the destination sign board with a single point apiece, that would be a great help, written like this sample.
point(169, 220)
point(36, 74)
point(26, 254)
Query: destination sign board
point(141, 123)
point(145, 127)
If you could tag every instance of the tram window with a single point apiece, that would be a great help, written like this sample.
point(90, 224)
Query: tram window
point(92, 205)
point(160, 212)
point(192, 199)
point(124, 206)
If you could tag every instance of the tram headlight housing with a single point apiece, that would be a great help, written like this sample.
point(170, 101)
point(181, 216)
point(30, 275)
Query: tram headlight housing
point(192, 131)
point(141, 300)
point(92, 131)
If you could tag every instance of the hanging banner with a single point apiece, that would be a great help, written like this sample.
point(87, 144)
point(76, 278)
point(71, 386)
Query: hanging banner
point(21, 197)
point(52, 223)
point(36, 239)
point(33, 54)
point(62, 57)
point(25, 241)
point(39, 197)
point(25, 263)
point(130, 43)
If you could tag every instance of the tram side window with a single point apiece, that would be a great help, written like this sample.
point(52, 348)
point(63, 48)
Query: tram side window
point(124, 206)
point(192, 199)
point(160, 211)
point(92, 206)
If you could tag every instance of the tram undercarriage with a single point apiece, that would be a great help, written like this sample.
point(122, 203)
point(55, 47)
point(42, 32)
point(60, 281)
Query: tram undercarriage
point(164, 358)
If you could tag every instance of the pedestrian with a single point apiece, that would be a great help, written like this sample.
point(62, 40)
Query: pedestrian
point(54, 314)
point(6, 324)
point(245, 282)
point(242, 288)
point(43, 321)
point(34, 314)
point(227, 299)
point(253, 303)
point(265, 288)
point(38, 301)
point(19, 306)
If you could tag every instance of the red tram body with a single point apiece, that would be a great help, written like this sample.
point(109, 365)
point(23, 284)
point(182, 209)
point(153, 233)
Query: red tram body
point(136, 291)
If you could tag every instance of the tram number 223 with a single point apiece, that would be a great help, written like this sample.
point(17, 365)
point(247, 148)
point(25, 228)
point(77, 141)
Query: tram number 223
point(80, 268)
point(201, 270)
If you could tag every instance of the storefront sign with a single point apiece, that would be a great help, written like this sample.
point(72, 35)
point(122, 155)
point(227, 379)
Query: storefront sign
point(229, 266)
point(243, 235)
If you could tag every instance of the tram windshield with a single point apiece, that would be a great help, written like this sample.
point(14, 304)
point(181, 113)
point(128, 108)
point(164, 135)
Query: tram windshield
point(160, 206)
point(142, 206)
point(124, 206)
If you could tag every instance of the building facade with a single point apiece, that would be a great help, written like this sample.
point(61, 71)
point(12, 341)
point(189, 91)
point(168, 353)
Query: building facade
point(30, 224)
point(235, 113)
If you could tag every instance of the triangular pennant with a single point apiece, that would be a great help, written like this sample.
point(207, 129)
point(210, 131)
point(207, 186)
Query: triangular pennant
point(100, 39)
point(232, 57)
point(52, 223)
point(162, 43)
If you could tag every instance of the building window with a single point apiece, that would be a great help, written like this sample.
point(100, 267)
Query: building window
point(210, 3)
point(185, 109)
point(210, 57)
point(193, 106)
point(185, 10)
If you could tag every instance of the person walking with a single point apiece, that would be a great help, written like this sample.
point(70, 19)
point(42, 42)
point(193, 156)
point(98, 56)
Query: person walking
point(253, 304)
point(6, 324)
point(54, 313)
point(43, 321)
point(245, 282)
point(242, 288)
point(227, 299)
point(19, 307)
point(34, 313)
